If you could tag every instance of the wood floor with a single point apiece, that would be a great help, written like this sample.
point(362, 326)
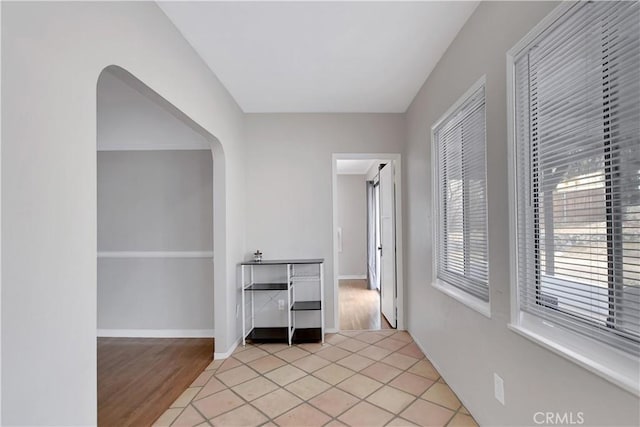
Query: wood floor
point(360, 307)
point(138, 379)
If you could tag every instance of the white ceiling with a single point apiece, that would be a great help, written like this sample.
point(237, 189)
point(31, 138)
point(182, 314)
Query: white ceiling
point(354, 166)
point(320, 56)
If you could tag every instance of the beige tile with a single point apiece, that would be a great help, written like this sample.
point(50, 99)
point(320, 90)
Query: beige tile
point(212, 386)
point(274, 348)
point(442, 395)
point(366, 415)
point(186, 397)
point(236, 375)
point(202, 379)
point(381, 372)
point(334, 339)
point(333, 374)
point(399, 360)
point(218, 403)
point(311, 363)
point(411, 350)
point(214, 365)
point(400, 422)
point(352, 345)
point(411, 383)
point(291, 354)
point(204, 424)
point(244, 416)
point(240, 348)
point(402, 336)
point(374, 352)
point(462, 420)
point(266, 364)
point(333, 353)
point(335, 423)
point(424, 368)
point(167, 417)
point(285, 374)
point(228, 363)
point(359, 385)
point(334, 402)
point(303, 415)
point(370, 337)
point(254, 388)
point(355, 362)
point(391, 344)
point(391, 399)
point(188, 418)
point(311, 347)
point(251, 354)
point(276, 403)
point(307, 387)
point(425, 413)
point(464, 411)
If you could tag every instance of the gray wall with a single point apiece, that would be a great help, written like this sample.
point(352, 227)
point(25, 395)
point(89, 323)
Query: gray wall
point(466, 346)
point(289, 179)
point(52, 56)
point(352, 218)
point(155, 201)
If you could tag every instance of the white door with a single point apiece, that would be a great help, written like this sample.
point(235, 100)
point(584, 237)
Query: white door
point(388, 244)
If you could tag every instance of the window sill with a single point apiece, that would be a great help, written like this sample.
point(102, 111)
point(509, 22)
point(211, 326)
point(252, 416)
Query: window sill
point(617, 367)
point(469, 300)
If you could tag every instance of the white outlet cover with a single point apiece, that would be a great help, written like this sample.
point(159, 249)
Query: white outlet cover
point(498, 386)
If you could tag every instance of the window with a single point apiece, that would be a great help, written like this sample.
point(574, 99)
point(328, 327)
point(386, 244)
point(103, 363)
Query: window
point(576, 153)
point(460, 228)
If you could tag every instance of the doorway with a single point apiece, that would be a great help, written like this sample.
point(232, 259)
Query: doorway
point(367, 242)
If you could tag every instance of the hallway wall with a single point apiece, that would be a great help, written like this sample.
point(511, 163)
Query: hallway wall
point(289, 178)
point(352, 218)
point(466, 347)
point(52, 55)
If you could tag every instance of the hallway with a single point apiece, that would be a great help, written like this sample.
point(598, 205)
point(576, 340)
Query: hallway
point(356, 378)
point(360, 307)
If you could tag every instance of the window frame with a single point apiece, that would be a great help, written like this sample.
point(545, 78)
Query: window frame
point(466, 298)
point(618, 367)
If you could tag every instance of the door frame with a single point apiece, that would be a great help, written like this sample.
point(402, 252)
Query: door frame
point(396, 159)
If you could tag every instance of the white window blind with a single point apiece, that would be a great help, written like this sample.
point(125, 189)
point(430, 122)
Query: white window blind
point(460, 176)
point(577, 136)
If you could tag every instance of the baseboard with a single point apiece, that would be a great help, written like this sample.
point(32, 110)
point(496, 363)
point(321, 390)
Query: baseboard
point(330, 330)
point(352, 277)
point(156, 333)
point(218, 356)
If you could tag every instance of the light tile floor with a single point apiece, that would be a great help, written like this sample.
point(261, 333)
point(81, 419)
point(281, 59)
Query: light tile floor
point(357, 378)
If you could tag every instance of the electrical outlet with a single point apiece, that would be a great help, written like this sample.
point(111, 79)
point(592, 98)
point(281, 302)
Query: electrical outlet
point(237, 310)
point(281, 304)
point(498, 387)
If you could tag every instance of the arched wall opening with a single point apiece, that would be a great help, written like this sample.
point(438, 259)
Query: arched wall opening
point(203, 141)
point(155, 222)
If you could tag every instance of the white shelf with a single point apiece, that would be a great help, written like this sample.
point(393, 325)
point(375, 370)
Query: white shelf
point(308, 300)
